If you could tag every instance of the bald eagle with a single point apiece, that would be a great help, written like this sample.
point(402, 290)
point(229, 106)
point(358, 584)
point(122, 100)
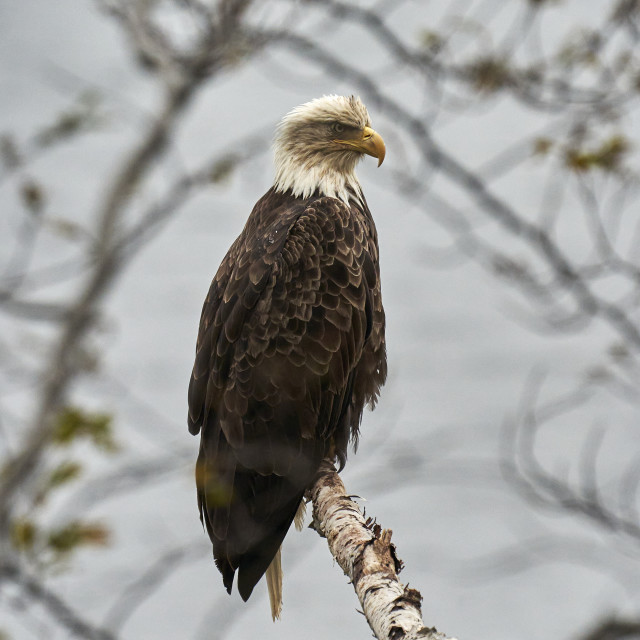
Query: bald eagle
point(291, 342)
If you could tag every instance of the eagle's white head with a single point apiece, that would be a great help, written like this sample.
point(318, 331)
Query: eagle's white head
point(318, 145)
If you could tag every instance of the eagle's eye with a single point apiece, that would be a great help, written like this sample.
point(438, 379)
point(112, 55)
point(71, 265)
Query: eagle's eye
point(337, 127)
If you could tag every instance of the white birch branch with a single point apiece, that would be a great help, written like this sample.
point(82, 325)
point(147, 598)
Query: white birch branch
point(367, 556)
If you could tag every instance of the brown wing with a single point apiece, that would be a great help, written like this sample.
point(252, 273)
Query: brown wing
point(292, 312)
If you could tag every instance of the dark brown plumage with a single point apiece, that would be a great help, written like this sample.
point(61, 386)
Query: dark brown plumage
point(290, 349)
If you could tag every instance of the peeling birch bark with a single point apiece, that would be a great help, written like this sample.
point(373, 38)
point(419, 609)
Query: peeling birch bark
point(367, 556)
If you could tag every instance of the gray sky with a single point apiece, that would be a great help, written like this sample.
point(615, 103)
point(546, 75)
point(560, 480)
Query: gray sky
point(459, 357)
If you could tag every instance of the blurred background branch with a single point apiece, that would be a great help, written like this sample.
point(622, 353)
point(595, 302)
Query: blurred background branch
point(513, 148)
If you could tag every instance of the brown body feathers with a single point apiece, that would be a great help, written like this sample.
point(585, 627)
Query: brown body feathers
point(290, 349)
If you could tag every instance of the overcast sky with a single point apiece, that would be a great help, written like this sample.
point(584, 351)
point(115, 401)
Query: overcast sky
point(459, 356)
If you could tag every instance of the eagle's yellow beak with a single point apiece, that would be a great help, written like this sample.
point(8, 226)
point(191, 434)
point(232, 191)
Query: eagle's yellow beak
point(368, 141)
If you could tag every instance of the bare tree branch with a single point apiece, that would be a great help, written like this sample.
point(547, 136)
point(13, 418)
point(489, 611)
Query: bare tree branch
point(498, 210)
point(613, 628)
point(524, 471)
point(147, 584)
point(212, 54)
point(75, 625)
point(61, 367)
point(365, 553)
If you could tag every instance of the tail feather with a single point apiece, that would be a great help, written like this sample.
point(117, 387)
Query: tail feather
point(301, 513)
point(273, 576)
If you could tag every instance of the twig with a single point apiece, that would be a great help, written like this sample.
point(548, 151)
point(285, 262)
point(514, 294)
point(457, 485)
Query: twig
point(147, 584)
point(58, 608)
